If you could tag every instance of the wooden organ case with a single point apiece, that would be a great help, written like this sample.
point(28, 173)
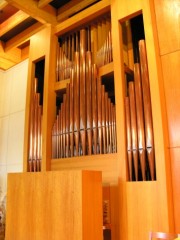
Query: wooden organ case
point(89, 120)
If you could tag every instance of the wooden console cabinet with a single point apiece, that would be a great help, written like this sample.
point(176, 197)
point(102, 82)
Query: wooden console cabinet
point(54, 205)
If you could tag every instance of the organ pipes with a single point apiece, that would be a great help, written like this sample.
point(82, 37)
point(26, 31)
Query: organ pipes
point(35, 136)
point(98, 40)
point(139, 127)
point(86, 121)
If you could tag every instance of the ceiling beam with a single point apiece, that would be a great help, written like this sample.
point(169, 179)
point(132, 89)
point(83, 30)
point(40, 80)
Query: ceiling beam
point(31, 7)
point(5, 64)
point(43, 3)
point(72, 7)
point(13, 21)
point(82, 17)
point(23, 36)
point(51, 10)
point(13, 55)
point(3, 4)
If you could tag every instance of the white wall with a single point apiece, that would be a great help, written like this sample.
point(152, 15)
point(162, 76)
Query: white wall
point(13, 84)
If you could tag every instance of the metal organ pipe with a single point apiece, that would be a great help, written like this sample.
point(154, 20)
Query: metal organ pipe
point(86, 122)
point(140, 146)
point(35, 136)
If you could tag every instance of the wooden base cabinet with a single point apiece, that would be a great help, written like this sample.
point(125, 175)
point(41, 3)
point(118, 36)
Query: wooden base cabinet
point(54, 205)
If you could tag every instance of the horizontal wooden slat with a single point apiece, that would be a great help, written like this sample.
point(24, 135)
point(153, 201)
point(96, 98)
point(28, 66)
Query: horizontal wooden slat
point(104, 70)
point(12, 22)
point(61, 85)
point(30, 7)
point(72, 7)
point(43, 3)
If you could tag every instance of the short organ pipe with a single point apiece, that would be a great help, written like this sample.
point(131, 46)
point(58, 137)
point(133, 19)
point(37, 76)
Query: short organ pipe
point(35, 136)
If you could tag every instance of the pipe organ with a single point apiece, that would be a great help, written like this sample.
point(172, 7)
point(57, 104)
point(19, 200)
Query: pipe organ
point(85, 123)
point(35, 131)
point(139, 127)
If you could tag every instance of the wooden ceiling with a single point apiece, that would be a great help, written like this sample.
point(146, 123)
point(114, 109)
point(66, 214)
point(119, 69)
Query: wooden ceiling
point(20, 19)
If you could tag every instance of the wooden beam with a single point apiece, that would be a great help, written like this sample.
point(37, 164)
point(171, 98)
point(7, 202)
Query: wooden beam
point(12, 21)
point(3, 4)
point(9, 58)
point(83, 17)
point(43, 3)
point(5, 64)
point(13, 55)
point(2, 46)
point(23, 36)
point(72, 7)
point(31, 7)
point(24, 53)
point(51, 10)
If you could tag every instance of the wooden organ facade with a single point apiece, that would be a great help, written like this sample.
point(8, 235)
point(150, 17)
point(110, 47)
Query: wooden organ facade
point(93, 117)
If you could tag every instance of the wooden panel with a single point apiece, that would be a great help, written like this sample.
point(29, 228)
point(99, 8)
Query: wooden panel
point(91, 206)
point(25, 53)
point(175, 168)
point(168, 20)
point(108, 164)
point(126, 9)
point(39, 44)
point(54, 205)
point(142, 209)
point(171, 66)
